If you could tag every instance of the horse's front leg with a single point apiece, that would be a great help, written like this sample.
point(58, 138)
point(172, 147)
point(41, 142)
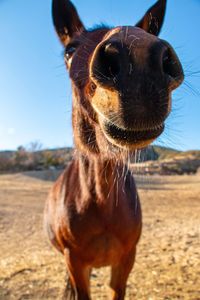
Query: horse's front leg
point(78, 286)
point(119, 276)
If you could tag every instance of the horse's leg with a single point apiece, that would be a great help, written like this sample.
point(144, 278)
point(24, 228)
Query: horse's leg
point(78, 285)
point(69, 292)
point(119, 276)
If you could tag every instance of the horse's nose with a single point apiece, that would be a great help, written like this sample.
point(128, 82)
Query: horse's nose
point(106, 63)
point(112, 60)
point(164, 60)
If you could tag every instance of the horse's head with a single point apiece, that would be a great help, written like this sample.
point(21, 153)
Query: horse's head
point(122, 78)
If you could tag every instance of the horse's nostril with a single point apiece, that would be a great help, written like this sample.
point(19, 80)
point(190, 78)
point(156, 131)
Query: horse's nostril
point(109, 61)
point(111, 49)
point(171, 65)
point(106, 64)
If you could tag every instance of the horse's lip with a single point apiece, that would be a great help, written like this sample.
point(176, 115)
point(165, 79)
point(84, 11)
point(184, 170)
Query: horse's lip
point(131, 136)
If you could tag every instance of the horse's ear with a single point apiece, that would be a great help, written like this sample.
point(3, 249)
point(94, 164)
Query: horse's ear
point(154, 17)
point(66, 20)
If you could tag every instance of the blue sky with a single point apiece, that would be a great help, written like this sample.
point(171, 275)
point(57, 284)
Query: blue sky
point(35, 94)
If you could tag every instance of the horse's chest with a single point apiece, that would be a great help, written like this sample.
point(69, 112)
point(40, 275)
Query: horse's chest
point(98, 218)
point(104, 240)
point(102, 230)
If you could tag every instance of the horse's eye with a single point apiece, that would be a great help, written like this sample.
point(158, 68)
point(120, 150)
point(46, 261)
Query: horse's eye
point(69, 52)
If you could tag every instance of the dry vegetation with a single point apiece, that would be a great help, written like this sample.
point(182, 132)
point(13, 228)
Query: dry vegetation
point(153, 160)
point(33, 158)
point(168, 260)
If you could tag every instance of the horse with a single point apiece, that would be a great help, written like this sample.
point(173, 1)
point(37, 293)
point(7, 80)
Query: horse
point(122, 82)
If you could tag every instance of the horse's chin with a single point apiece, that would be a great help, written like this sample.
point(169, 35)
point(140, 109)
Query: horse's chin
point(130, 139)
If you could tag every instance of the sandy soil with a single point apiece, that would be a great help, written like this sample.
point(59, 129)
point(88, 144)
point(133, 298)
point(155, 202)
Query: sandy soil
point(168, 259)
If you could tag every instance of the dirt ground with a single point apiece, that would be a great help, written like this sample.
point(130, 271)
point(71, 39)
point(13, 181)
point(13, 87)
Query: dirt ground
point(168, 259)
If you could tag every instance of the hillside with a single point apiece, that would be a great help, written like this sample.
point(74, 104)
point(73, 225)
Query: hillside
point(153, 160)
point(28, 160)
point(170, 162)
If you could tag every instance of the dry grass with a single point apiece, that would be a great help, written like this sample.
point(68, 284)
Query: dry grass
point(168, 260)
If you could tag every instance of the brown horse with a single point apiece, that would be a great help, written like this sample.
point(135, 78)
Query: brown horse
point(122, 80)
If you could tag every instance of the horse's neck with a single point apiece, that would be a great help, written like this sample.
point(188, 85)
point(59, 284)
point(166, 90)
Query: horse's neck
point(100, 177)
